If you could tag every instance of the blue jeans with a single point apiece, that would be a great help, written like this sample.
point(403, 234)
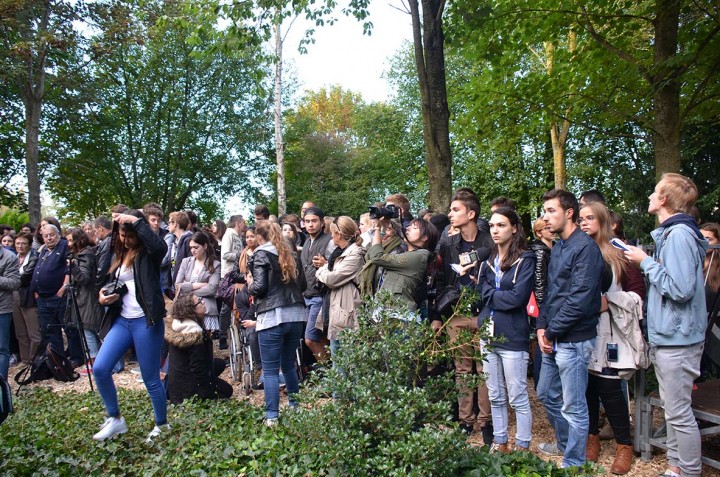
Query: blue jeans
point(93, 343)
point(51, 314)
point(5, 319)
point(277, 350)
point(506, 373)
point(313, 309)
point(563, 382)
point(148, 345)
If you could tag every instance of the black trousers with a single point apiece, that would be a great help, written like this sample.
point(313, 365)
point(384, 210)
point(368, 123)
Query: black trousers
point(609, 390)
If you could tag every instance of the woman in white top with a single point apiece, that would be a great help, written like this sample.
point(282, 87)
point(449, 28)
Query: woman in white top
point(200, 274)
point(136, 310)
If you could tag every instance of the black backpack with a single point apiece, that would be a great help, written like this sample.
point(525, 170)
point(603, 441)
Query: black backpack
point(48, 363)
point(6, 405)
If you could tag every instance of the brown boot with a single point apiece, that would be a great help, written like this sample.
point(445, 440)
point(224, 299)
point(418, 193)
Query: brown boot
point(592, 450)
point(624, 457)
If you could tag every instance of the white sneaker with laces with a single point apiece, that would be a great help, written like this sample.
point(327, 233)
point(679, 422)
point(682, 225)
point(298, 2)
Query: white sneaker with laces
point(271, 422)
point(111, 428)
point(157, 430)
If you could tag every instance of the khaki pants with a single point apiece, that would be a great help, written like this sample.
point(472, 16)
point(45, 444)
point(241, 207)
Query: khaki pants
point(27, 329)
point(464, 366)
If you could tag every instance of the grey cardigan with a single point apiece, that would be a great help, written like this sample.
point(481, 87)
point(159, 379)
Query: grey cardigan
point(183, 284)
point(9, 279)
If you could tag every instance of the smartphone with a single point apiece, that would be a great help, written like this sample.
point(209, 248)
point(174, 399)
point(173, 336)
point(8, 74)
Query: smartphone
point(617, 243)
point(612, 352)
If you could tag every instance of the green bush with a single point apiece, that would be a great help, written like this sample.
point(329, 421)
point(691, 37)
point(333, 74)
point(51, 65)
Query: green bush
point(14, 218)
point(376, 412)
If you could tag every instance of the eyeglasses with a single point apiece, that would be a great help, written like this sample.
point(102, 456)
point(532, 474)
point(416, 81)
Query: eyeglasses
point(589, 219)
point(199, 302)
point(22, 244)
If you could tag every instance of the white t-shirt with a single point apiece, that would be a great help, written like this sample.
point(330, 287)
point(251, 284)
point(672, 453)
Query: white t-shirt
point(130, 307)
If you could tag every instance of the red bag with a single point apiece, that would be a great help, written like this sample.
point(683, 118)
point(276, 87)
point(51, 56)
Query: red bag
point(532, 306)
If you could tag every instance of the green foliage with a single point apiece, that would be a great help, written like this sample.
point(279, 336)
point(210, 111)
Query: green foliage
point(387, 416)
point(14, 217)
point(172, 118)
point(344, 154)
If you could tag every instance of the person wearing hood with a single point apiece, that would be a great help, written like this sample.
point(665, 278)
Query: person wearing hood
point(676, 314)
point(340, 275)
point(280, 309)
point(505, 281)
point(192, 370)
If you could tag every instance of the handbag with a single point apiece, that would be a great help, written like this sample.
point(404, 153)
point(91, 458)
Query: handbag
point(226, 287)
point(446, 300)
point(532, 306)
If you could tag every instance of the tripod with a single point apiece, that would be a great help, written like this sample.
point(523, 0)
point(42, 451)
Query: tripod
point(76, 322)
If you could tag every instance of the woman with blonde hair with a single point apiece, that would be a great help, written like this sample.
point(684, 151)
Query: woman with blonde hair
point(280, 310)
point(604, 381)
point(340, 275)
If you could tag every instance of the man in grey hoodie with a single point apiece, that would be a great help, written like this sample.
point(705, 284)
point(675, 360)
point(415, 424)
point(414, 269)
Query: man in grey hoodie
point(676, 314)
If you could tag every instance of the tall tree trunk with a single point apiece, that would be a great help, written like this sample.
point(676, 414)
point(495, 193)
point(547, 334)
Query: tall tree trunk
point(279, 147)
point(666, 89)
point(559, 129)
point(33, 110)
point(428, 41)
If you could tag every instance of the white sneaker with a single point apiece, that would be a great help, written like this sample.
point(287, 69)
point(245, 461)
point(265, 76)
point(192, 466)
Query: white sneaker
point(271, 421)
point(157, 430)
point(111, 427)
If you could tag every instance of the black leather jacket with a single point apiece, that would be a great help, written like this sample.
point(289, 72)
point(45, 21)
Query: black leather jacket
point(542, 259)
point(147, 276)
point(267, 286)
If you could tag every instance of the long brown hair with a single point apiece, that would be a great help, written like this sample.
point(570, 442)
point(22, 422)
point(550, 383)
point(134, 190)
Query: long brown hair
point(271, 232)
point(518, 242)
point(610, 254)
point(713, 276)
point(203, 239)
point(125, 255)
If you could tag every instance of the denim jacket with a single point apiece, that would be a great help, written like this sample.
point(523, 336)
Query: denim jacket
point(676, 310)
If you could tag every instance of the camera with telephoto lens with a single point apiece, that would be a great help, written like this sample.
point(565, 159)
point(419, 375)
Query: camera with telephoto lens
point(389, 212)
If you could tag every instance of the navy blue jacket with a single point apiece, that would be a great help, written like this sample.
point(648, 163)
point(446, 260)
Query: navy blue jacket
point(50, 270)
point(508, 305)
point(571, 308)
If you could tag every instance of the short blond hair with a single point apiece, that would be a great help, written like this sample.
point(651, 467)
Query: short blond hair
point(679, 191)
point(539, 224)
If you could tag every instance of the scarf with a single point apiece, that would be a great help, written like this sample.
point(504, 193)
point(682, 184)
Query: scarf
point(367, 274)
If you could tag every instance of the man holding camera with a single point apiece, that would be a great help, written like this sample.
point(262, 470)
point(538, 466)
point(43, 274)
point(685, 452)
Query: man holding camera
point(464, 250)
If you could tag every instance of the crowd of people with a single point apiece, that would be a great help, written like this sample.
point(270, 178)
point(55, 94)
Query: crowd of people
point(148, 286)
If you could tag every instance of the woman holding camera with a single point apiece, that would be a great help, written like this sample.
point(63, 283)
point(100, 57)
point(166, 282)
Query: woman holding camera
point(280, 310)
point(403, 274)
point(200, 274)
point(136, 313)
point(83, 271)
point(505, 281)
point(604, 383)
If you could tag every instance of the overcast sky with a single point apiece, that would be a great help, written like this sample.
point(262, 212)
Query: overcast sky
point(342, 55)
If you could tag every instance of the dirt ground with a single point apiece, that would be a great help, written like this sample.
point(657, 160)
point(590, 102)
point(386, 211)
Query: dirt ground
point(542, 432)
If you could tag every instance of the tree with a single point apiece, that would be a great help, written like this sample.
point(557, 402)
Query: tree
point(345, 154)
point(429, 48)
point(171, 118)
point(38, 54)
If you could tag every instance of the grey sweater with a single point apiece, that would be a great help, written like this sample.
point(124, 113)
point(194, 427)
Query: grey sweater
point(9, 279)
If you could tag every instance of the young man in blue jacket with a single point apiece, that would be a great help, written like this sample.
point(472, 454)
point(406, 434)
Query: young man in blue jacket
point(567, 327)
point(676, 314)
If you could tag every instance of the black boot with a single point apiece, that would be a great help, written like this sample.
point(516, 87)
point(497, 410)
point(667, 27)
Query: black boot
point(487, 433)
